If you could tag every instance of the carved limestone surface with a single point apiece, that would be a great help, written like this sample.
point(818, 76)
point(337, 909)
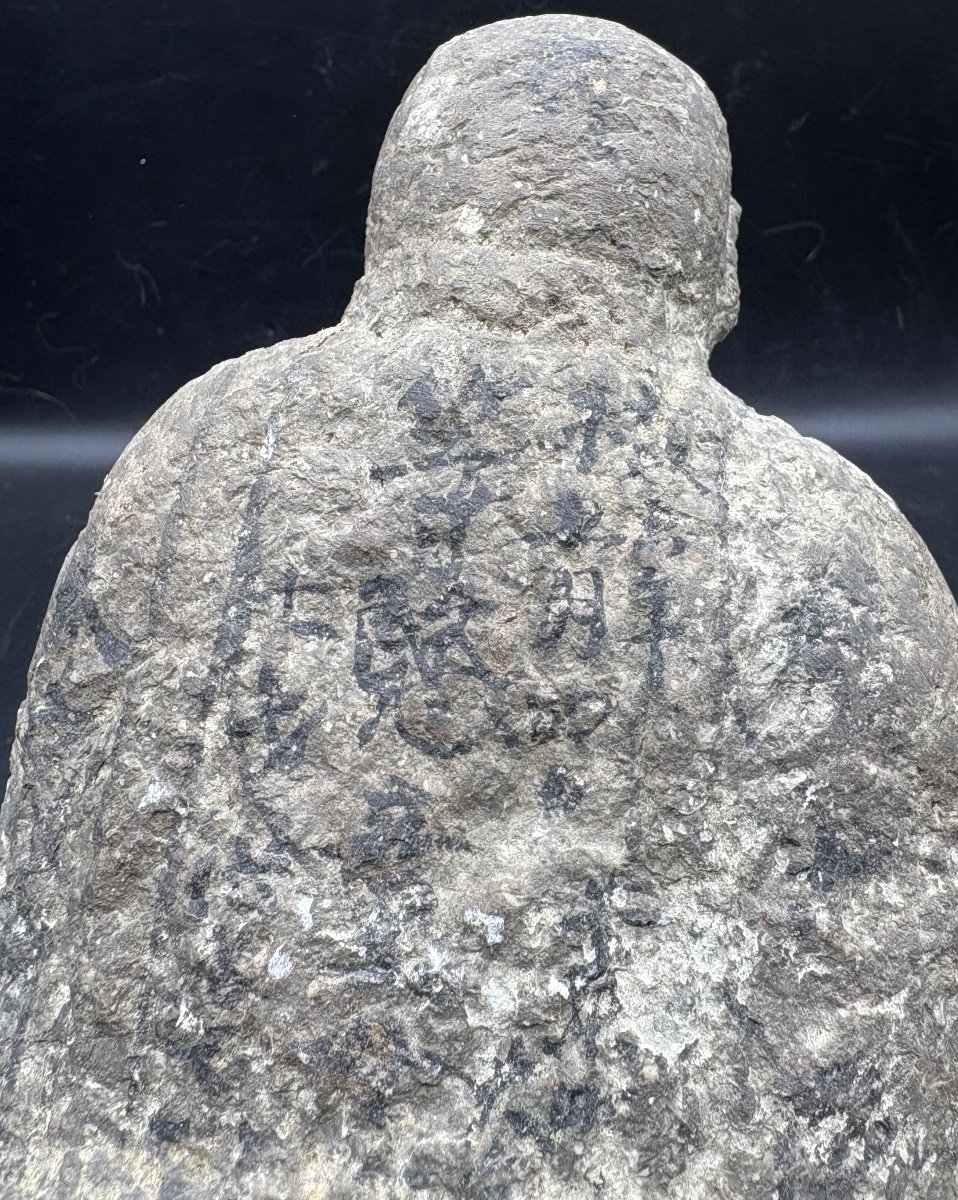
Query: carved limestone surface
point(470, 753)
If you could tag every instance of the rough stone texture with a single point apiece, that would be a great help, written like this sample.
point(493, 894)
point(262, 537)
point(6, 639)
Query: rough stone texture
point(471, 754)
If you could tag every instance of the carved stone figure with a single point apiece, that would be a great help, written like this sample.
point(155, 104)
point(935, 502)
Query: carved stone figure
point(471, 754)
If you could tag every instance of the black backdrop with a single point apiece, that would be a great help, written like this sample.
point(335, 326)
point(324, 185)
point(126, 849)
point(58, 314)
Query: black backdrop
point(183, 180)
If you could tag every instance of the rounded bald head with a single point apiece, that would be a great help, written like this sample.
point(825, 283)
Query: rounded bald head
point(572, 135)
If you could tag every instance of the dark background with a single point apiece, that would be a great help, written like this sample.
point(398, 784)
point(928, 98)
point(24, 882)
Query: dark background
point(182, 181)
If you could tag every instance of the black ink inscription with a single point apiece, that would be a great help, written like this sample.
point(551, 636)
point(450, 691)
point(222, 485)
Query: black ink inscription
point(446, 519)
point(481, 398)
point(646, 404)
point(570, 522)
point(601, 417)
point(396, 828)
point(575, 1107)
point(304, 626)
point(560, 791)
point(593, 403)
point(637, 917)
point(646, 547)
point(651, 593)
point(421, 399)
point(576, 601)
point(516, 1069)
point(169, 1131)
point(385, 474)
point(818, 632)
point(398, 650)
point(271, 860)
point(536, 719)
point(112, 649)
point(846, 1095)
point(447, 430)
point(75, 609)
point(381, 655)
point(278, 732)
point(677, 449)
point(837, 862)
point(576, 519)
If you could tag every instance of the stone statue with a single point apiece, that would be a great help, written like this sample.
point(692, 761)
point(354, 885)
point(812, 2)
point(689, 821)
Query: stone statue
point(471, 754)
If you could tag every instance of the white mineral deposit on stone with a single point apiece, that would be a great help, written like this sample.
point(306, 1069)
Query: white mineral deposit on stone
point(469, 753)
point(304, 908)
point(492, 926)
point(280, 965)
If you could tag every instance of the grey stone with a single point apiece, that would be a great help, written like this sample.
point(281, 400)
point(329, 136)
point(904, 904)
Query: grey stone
point(471, 754)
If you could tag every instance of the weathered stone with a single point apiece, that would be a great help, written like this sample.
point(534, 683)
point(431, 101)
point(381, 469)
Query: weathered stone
point(471, 754)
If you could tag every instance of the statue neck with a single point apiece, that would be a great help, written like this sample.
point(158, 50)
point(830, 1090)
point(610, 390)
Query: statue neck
point(534, 295)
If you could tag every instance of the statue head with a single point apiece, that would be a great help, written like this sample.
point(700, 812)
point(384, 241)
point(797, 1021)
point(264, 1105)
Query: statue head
point(568, 136)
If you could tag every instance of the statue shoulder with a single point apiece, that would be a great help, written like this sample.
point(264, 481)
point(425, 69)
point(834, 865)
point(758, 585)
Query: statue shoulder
point(191, 455)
